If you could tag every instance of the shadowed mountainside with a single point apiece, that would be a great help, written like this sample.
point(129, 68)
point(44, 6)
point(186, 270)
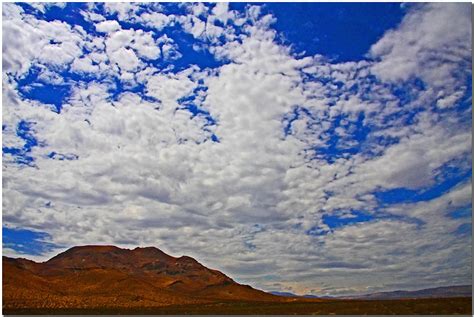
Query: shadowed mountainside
point(108, 276)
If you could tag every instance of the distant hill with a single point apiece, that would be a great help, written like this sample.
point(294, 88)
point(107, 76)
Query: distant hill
point(438, 292)
point(288, 294)
point(108, 276)
point(285, 294)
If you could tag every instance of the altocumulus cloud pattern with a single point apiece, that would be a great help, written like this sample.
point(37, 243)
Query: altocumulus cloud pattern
point(291, 146)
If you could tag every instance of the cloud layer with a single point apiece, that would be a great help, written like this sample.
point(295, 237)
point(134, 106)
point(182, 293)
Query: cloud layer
point(239, 163)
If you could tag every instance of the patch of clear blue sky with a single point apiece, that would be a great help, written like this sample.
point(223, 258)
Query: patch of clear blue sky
point(21, 155)
point(32, 87)
point(451, 178)
point(463, 212)
point(465, 229)
point(69, 14)
point(336, 221)
point(26, 241)
point(339, 31)
point(335, 147)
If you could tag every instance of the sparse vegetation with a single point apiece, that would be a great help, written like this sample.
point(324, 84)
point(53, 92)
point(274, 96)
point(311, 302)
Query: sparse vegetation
point(441, 306)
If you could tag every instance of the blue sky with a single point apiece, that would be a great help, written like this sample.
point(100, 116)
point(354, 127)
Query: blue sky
point(329, 144)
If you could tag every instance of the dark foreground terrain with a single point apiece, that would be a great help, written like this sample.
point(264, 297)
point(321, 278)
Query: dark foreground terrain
point(441, 306)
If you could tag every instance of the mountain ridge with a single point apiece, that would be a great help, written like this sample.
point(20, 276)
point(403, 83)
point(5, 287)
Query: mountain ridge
point(433, 292)
point(103, 276)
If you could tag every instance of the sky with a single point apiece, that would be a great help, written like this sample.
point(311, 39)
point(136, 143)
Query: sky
point(310, 148)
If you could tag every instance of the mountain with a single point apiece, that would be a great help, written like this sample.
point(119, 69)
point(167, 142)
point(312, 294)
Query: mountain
point(285, 294)
point(289, 294)
point(438, 292)
point(108, 276)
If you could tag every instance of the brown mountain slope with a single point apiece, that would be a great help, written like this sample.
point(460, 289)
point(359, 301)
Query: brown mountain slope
point(108, 276)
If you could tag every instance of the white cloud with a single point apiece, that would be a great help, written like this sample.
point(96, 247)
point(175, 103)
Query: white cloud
point(125, 59)
point(221, 12)
point(123, 47)
point(169, 88)
point(84, 65)
point(108, 26)
point(437, 52)
point(156, 20)
point(194, 25)
point(123, 10)
point(42, 7)
point(92, 16)
point(27, 40)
